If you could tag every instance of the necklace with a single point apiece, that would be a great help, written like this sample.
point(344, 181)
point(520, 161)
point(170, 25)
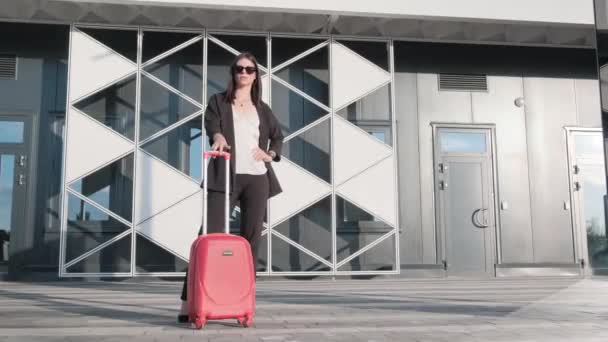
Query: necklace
point(241, 104)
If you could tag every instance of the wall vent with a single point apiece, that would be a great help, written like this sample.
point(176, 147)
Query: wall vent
point(463, 82)
point(8, 67)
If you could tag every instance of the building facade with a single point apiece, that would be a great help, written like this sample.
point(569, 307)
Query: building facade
point(421, 140)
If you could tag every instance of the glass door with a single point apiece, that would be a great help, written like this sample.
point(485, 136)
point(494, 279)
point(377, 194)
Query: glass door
point(13, 182)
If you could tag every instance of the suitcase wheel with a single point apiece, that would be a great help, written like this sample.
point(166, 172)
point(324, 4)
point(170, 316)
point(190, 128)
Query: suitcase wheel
point(247, 322)
point(198, 323)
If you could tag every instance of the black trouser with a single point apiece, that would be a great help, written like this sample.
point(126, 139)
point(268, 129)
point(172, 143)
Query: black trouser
point(251, 191)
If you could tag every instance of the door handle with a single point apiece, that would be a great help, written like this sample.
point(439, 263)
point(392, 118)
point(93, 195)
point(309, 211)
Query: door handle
point(475, 219)
point(21, 180)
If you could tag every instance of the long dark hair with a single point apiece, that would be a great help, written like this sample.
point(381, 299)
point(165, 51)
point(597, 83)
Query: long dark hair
point(256, 87)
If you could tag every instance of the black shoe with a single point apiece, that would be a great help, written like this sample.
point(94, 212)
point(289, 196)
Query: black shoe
point(183, 318)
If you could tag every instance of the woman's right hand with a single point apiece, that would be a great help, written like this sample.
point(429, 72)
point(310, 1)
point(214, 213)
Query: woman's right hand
point(220, 143)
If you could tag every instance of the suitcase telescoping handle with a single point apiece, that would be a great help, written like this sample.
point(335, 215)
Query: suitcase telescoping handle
point(207, 157)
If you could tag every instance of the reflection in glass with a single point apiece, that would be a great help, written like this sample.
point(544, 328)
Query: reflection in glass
point(372, 113)
point(11, 132)
point(287, 258)
point(161, 108)
point(311, 150)
point(292, 110)
point(593, 195)
point(111, 187)
point(181, 148)
point(218, 68)
point(122, 41)
point(253, 44)
point(311, 228)
point(588, 144)
point(183, 70)
point(115, 258)
point(460, 142)
point(156, 42)
point(284, 49)
point(7, 179)
point(309, 74)
point(7, 176)
point(113, 107)
point(153, 258)
point(355, 229)
point(381, 257)
point(88, 227)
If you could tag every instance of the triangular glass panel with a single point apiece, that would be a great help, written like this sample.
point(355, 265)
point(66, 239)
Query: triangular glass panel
point(283, 49)
point(372, 114)
point(311, 228)
point(111, 187)
point(311, 150)
point(156, 42)
point(114, 258)
point(256, 45)
point(218, 68)
point(151, 257)
point(181, 147)
point(374, 52)
point(293, 111)
point(355, 228)
point(123, 42)
point(161, 108)
point(88, 227)
point(310, 75)
point(113, 106)
point(381, 257)
point(183, 70)
point(288, 258)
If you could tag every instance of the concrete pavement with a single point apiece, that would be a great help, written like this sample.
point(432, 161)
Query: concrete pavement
point(345, 310)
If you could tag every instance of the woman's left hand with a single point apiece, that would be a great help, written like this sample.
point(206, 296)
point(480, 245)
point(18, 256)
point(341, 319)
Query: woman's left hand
point(260, 155)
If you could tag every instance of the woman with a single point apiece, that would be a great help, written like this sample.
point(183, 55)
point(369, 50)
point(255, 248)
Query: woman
point(238, 121)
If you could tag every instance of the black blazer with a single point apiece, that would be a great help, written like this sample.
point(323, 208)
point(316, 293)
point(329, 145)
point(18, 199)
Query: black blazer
point(219, 119)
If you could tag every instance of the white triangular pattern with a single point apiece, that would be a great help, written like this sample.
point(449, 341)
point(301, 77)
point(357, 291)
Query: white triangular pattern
point(300, 190)
point(265, 80)
point(158, 187)
point(345, 87)
point(90, 145)
point(93, 65)
point(175, 228)
point(374, 190)
point(354, 150)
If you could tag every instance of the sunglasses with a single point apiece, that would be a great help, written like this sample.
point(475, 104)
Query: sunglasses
point(249, 69)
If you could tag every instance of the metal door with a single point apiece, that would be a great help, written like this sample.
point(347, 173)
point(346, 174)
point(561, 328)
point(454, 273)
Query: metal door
point(465, 200)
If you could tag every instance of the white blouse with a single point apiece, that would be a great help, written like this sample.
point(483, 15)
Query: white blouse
point(246, 139)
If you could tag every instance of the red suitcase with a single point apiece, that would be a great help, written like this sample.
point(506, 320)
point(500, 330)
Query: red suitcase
point(221, 283)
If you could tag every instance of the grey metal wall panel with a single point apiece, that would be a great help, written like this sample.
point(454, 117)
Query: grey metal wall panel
point(406, 107)
point(550, 105)
point(588, 107)
point(497, 106)
point(434, 106)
